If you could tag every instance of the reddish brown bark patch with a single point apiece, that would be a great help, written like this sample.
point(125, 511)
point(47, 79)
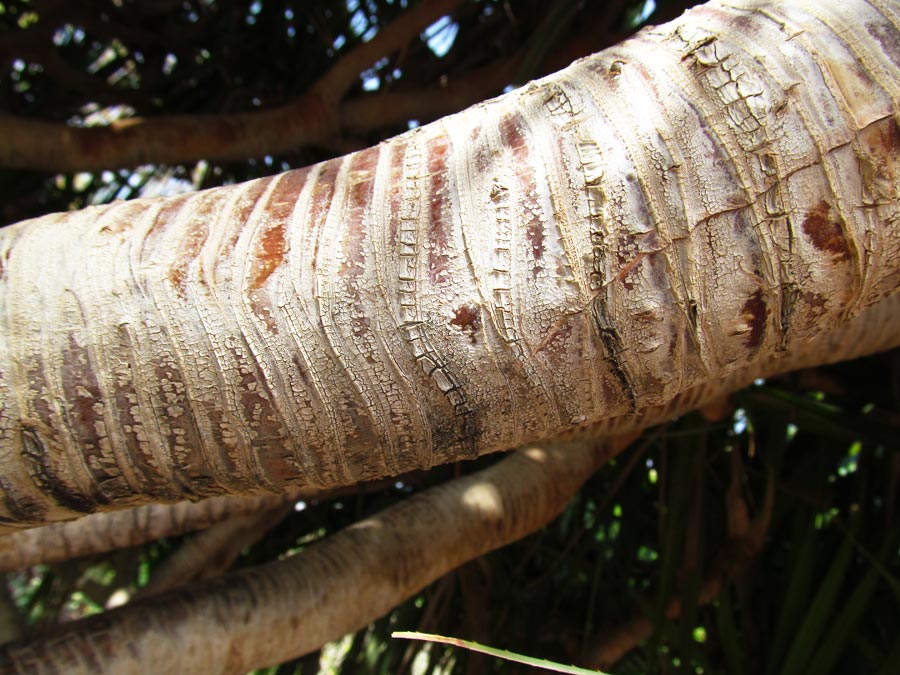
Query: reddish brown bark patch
point(173, 407)
point(38, 438)
point(272, 251)
point(468, 320)
point(511, 132)
point(242, 210)
point(511, 135)
point(398, 158)
point(84, 410)
point(755, 312)
point(166, 216)
point(438, 233)
point(826, 232)
point(559, 333)
point(362, 182)
point(320, 203)
point(272, 248)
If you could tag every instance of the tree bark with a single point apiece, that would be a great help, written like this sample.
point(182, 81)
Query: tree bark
point(712, 201)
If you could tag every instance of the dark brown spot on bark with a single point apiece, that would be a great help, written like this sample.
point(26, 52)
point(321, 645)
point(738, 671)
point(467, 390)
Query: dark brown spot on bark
point(468, 320)
point(612, 342)
point(755, 312)
point(826, 232)
point(19, 507)
point(45, 476)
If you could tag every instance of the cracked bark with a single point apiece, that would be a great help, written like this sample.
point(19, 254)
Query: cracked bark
point(712, 201)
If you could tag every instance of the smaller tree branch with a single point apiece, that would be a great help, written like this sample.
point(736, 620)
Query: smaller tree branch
point(213, 551)
point(104, 532)
point(292, 607)
point(309, 120)
point(176, 139)
point(332, 86)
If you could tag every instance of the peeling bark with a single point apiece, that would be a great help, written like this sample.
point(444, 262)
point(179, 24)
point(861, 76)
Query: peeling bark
point(712, 201)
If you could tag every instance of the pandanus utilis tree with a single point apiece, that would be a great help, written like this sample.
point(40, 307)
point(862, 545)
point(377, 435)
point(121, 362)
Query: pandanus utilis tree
point(713, 201)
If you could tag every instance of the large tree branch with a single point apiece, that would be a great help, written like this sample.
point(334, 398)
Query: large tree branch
point(332, 86)
point(310, 120)
point(292, 607)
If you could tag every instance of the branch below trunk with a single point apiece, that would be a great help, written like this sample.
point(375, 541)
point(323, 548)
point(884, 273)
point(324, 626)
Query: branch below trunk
point(292, 607)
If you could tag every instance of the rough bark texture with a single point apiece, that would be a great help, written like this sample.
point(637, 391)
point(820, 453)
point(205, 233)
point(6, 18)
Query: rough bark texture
point(602, 248)
point(278, 611)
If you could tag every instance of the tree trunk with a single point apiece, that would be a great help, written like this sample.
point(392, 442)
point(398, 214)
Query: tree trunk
point(712, 201)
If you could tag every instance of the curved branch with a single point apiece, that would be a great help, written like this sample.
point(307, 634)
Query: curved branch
point(310, 120)
point(104, 532)
point(213, 551)
point(332, 86)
